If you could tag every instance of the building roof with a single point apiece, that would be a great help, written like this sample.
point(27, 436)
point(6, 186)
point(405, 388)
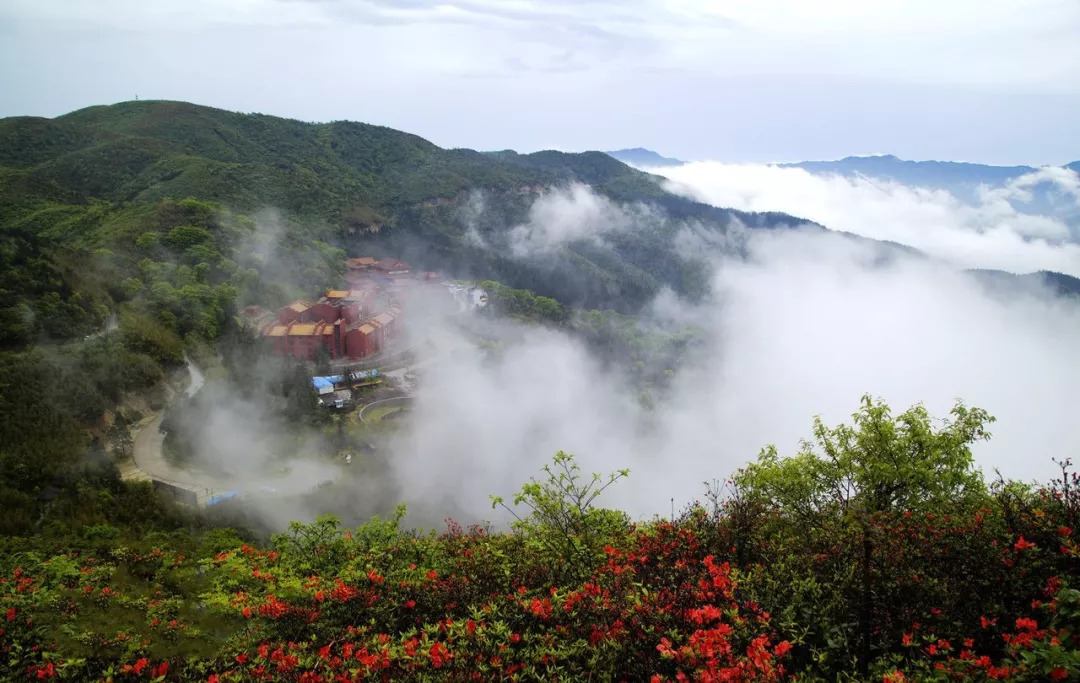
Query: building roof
point(337, 293)
point(391, 264)
point(299, 306)
point(325, 385)
point(360, 262)
point(366, 328)
point(276, 331)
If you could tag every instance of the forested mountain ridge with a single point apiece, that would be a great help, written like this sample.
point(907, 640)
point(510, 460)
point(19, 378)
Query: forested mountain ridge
point(149, 150)
point(353, 185)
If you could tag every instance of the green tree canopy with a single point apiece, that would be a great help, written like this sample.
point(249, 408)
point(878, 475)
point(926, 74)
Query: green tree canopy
point(878, 463)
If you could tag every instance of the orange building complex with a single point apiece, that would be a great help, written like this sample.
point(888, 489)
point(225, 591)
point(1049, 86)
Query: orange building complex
point(344, 323)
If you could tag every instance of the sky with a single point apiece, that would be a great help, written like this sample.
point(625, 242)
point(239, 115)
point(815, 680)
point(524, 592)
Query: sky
point(993, 81)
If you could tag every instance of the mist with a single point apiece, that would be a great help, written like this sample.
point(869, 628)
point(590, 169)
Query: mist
point(992, 231)
point(802, 323)
point(797, 322)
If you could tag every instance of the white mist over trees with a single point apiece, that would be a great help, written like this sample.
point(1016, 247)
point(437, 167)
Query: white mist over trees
point(802, 324)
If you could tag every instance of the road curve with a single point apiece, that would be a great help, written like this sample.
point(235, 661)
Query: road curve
point(148, 454)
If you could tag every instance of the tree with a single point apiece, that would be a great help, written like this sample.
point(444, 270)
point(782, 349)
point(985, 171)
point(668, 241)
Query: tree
point(878, 465)
point(120, 434)
point(563, 522)
point(301, 397)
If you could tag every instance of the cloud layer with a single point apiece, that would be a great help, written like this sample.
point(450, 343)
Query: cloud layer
point(989, 233)
point(803, 325)
point(574, 213)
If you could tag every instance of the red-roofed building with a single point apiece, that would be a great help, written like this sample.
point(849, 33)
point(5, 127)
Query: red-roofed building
point(303, 340)
point(392, 268)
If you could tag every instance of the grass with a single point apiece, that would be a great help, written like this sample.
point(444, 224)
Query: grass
point(378, 413)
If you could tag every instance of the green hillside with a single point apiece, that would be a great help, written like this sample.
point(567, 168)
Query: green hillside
point(145, 151)
point(356, 186)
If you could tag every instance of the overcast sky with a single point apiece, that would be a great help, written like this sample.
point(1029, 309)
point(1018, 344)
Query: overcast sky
point(995, 81)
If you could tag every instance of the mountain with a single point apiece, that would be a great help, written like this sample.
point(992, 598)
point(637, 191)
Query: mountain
point(639, 156)
point(108, 186)
point(358, 187)
point(1002, 281)
point(967, 182)
point(942, 174)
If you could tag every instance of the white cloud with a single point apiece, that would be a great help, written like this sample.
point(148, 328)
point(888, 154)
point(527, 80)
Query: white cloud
point(1026, 43)
point(927, 79)
point(1065, 182)
point(988, 234)
point(805, 324)
point(566, 215)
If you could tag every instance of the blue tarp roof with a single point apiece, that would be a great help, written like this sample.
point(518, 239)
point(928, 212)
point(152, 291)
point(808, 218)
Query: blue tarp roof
point(223, 496)
point(326, 383)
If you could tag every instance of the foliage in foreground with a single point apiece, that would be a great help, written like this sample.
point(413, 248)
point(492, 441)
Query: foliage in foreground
point(875, 554)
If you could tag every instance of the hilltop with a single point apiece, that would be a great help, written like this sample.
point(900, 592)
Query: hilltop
point(356, 186)
point(639, 156)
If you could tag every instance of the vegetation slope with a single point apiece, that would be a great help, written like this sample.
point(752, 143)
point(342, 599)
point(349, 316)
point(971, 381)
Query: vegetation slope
point(133, 234)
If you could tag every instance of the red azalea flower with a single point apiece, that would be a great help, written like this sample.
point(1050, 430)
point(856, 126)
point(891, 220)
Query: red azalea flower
point(1022, 544)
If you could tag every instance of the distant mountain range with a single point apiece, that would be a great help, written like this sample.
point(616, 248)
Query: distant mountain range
point(965, 181)
point(639, 156)
point(941, 174)
point(921, 173)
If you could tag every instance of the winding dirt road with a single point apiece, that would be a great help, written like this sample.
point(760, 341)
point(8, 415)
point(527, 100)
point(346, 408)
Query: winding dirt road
point(148, 454)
